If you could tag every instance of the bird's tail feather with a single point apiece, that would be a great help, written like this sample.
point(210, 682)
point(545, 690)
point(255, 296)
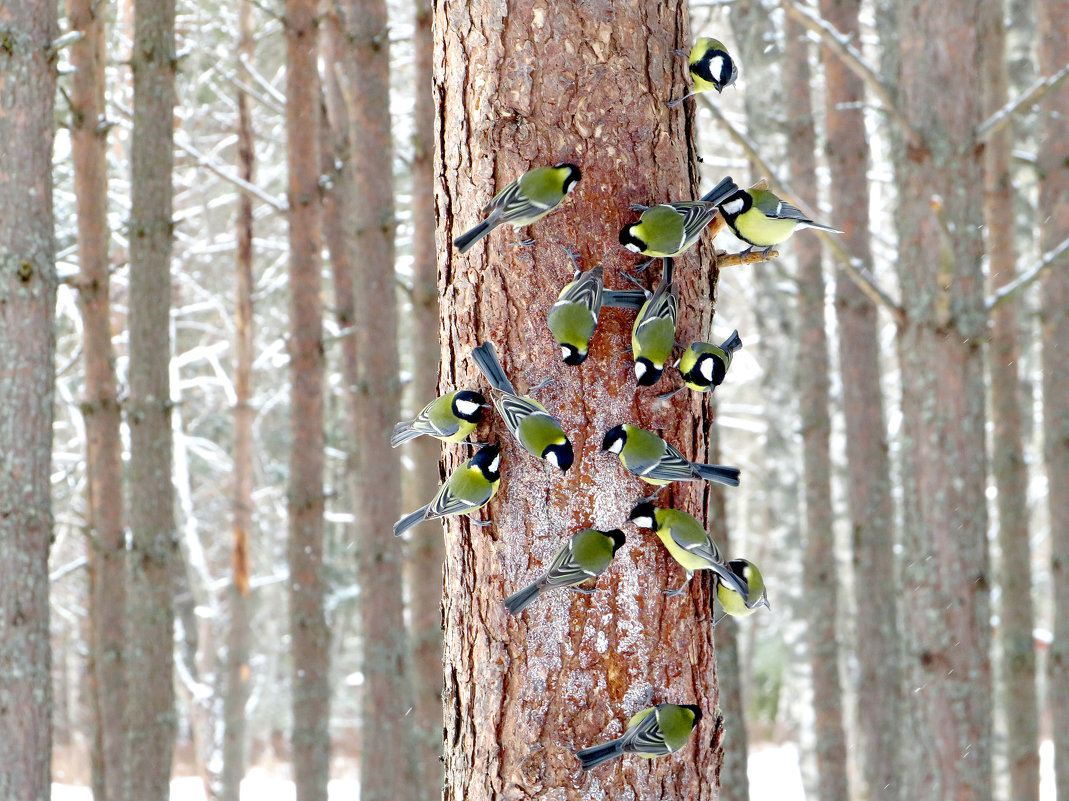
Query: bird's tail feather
point(402, 433)
point(669, 271)
point(486, 360)
point(733, 342)
point(519, 601)
point(721, 191)
point(409, 520)
point(718, 473)
point(592, 757)
point(819, 227)
point(465, 241)
point(624, 298)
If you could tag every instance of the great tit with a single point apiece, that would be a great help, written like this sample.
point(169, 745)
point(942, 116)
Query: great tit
point(527, 419)
point(763, 220)
point(703, 365)
point(667, 230)
point(529, 198)
point(655, 731)
point(710, 67)
point(654, 333)
point(449, 418)
point(585, 556)
point(574, 317)
point(687, 541)
point(656, 462)
point(744, 602)
point(470, 487)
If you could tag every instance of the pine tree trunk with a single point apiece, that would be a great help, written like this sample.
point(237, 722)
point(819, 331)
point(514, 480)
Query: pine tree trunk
point(425, 554)
point(237, 685)
point(868, 479)
point(310, 637)
point(27, 342)
point(941, 357)
point(388, 760)
point(1016, 621)
point(100, 408)
point(811, 379)
point(149, 657)
point(538, 86)
point(1053, 23)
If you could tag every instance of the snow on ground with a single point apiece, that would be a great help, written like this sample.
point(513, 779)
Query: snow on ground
point(774, 772)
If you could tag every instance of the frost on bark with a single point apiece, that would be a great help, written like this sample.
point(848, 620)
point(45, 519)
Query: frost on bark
point(309, 636)
point(517, 87)
point(811, 379)
point(868, 479)
point(149, 656)
point(100, 408)
point(425, 554)
point(1016, 621)
point(27, 342)
point(940, 343)
point(1053, 24)
point(238, 674)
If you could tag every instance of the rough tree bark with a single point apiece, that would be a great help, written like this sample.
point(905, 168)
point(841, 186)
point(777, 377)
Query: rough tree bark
point(1053, 164)
point(1016, 621)
point(868, 479)
point(310, 637)
point(425, 554)
point(27, 342)
point(388, 766)
point(941, 356)
point(517, 87)
point(811, 379)
point(149, 716)
point(100, 409)
point(236, 692)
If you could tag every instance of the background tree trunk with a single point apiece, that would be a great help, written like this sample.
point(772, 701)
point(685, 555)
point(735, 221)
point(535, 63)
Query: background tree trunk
point(149, 657)
point(27, 342)
point(941, 357)
point(1016, 623)
point(868, 477)
point(1053, 24)
point(107, 540)
point(237, 685)
point(310, 637)
point(821, 576)
point(522, 694)
point(425, 554)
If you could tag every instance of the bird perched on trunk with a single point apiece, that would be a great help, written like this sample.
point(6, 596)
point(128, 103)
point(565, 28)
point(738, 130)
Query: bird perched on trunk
point(527, 199)
point(704, 365)
point(667, 230)
point(687, 541)
point(763, 220)
point(655, 731)
point(470, 487)
point(526, 419)
point(654, 333)
point(586, 555)
point(449, 418)
point(710, 68)
point(649, 457)
point(744, 601)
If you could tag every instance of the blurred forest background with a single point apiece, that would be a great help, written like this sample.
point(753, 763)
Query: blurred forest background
point(854, 500)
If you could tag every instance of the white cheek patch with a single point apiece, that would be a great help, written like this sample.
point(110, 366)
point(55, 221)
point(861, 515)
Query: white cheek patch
point(706, 369)
point(617, 446)
point(632, 247)
point(467, 407)
point(640, 369)
point(733, 206)
point(564, 352)
point(551, 457)
point(571, 187)
point(716, 66)
point(494, 464)
point(643, 522)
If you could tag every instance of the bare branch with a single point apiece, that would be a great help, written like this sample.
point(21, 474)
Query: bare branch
point(1032, 95)
point(862, 277)
point(841, 45)
point(736, 259)
point(1042, 267)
